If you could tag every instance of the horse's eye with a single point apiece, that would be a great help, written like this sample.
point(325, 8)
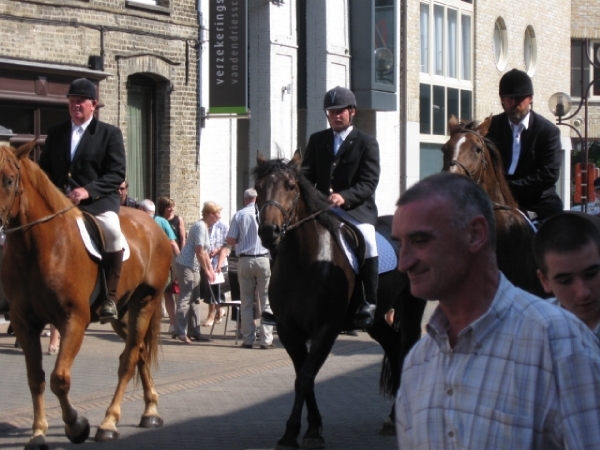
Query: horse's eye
point(478, 149)
point(291, 184)
point(8, 181)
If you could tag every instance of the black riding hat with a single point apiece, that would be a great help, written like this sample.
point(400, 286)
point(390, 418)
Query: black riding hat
point(83, 88)
point(339, 97)
point(515, 83)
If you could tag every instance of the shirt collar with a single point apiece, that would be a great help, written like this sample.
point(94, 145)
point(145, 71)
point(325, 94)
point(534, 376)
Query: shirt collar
point(344, 134)
point(471, 338)
point(524, 123)
point(83, 125)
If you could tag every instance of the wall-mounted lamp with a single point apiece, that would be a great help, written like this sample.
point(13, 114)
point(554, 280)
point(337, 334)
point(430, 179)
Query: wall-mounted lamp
point(287, 89)
point(277, 2)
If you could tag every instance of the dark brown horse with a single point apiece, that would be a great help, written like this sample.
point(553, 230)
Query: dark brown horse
point(311, 290)
point(49, 277)
point(470, 153)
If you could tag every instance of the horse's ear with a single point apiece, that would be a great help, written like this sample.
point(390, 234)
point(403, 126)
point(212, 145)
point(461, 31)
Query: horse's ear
point(259, 157)
point(485, 126)
point(297, 159)
point(25, 149)
point(453, 123)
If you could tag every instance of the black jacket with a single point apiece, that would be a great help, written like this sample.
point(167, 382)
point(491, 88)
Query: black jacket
point(98, 165)
point(538, 169)
point(353, 172)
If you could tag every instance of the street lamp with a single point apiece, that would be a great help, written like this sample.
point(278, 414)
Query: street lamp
point(560, 104)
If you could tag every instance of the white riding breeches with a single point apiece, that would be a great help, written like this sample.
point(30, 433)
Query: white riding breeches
point(367, 230)
point(111, 229)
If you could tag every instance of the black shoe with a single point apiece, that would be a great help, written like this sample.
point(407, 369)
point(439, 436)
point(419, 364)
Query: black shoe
point(199, 338)
point(246, 346)
point(107, 312)
point(268, 347)
point(364, 316)
point(267, 318)
point(4, 306)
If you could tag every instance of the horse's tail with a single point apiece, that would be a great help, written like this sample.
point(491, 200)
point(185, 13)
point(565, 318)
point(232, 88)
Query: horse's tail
point(152, 338)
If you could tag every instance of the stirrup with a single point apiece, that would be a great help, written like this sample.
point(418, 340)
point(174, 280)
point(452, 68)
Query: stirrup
point(107, 312)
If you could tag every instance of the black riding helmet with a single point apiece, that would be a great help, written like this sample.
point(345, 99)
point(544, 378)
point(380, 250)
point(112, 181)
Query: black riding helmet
point(339, 97)
point(515, 83)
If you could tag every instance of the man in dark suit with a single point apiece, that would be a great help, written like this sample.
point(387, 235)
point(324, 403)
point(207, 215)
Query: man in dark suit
point(85, 158)
point(343, 162)
point(530, 147)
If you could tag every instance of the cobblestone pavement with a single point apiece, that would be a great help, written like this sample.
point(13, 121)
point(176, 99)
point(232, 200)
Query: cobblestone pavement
point(213, 396)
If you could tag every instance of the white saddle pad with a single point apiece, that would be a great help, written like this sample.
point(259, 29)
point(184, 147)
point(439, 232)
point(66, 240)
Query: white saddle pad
point(388, 260)
point(91, 246)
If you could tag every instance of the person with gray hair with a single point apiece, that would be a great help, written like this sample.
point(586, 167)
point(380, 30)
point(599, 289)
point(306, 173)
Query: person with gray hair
point(499, 367)
point(254, 271)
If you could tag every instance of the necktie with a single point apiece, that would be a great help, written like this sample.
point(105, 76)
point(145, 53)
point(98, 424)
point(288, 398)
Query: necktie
point(75, 138)
point(337, 142)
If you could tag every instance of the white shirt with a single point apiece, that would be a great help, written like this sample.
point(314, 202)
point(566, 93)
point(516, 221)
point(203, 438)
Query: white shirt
point(517, 130)
point(76, 134)
point(525, 375)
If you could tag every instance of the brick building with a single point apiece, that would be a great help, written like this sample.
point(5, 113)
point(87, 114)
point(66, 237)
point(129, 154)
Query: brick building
point(432, 58)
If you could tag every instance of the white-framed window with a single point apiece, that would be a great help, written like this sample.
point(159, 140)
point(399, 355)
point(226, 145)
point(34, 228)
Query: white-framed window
point(446, 85)
point(530, 50)
point(581, 66)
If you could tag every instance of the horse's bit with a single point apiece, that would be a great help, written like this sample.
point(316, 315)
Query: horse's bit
point(480, 168)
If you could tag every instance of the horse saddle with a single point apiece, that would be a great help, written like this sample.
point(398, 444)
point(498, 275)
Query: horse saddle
point(93, 240)
point(91, 235)
point(353, 243)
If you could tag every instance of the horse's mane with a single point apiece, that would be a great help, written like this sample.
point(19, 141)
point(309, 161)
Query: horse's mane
point(313, 199)
point(496, 159)
point(40, 182)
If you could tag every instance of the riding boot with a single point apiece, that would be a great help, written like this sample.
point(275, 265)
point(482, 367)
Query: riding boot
point(369, 272)
point(4, 306)
point(111, 264)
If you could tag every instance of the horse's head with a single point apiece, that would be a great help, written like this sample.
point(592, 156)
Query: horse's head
point(277, 186)
point(10, 177)
point(466, 152)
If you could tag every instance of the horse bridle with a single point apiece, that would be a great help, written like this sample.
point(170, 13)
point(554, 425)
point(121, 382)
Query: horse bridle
point(287, 215)
point(481, 167)
point(5, 212)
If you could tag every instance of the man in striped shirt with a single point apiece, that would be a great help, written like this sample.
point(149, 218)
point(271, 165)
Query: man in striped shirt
point(254, 271)
point(499, 368)
point(567, 252)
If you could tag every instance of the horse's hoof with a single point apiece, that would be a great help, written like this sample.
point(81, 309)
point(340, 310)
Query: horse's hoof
point(79, 431)
point(106, 435)
point(313, 443)
point(151, 422)
point(287, 445)
point(37, 443)
point(388, 428)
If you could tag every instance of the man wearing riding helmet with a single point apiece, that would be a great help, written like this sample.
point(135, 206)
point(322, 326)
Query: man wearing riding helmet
point(530, 147)
point(343, 162)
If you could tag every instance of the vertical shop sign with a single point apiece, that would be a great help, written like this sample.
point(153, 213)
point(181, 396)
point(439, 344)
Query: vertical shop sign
point(228, 79)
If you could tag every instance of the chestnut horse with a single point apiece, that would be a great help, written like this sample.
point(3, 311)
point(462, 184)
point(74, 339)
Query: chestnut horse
point(49, 277)
point(470, 153)
point(311, 290)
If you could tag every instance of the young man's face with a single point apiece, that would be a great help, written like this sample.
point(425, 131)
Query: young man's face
point(574, 278)
point(340, 119)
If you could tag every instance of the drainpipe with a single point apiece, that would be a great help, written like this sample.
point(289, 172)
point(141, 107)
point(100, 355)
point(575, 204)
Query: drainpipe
point(403, 95)
point(201, 111)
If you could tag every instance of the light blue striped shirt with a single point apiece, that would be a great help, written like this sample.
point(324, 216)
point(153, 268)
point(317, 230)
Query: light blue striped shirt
point(245, 230)
point(218, 238)
point(525, 375)
point(198, 235)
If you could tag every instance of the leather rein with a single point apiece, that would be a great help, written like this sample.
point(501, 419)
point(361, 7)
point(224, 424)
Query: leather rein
point(5, 212)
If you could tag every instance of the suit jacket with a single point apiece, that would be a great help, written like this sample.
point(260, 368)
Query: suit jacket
point(98, 164)
point(353, 172)
point(538, 168)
